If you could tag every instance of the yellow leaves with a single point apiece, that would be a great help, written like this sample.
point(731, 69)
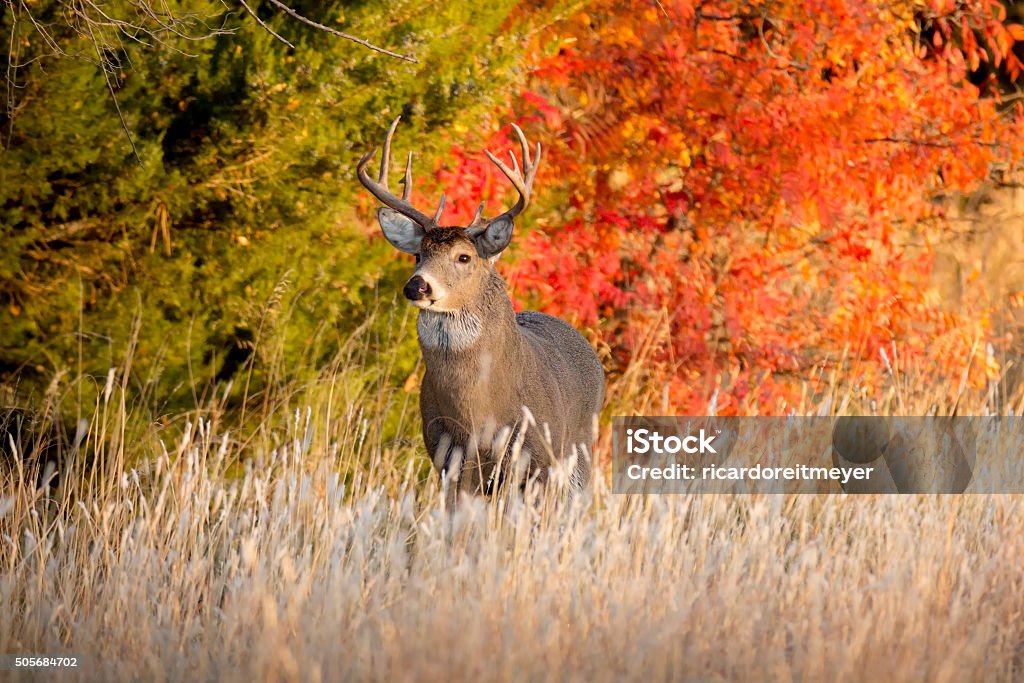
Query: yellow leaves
point(629, 130)
point(619, 178)
point(624, 36)
point(684, 158)
point(807, 271)
point(670, 177)
point(842, 314)
point(412, 383)
point(292, 105)
point(242, 240)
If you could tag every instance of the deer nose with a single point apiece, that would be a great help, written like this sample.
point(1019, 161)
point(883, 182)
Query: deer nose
point(416, 288)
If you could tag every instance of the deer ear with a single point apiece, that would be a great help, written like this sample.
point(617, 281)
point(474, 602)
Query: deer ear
point(494, 238)
point(403, 233)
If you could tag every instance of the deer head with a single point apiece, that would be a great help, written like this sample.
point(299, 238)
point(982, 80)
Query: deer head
point(453, 262)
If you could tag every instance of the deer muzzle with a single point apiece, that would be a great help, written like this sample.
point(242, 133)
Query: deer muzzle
point(417, 289)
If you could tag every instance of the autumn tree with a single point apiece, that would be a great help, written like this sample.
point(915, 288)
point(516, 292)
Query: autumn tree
point(741, 194)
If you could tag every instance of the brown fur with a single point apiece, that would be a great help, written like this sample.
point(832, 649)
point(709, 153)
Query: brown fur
point(471, 391)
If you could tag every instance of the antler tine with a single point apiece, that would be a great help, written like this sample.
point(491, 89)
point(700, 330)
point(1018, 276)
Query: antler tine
point(407, 179)
point(514, 176)
point(379, 188)
point(440, 209)
point(523, 144)
point(478, 216)
point(515, 162)
point(521, 178)
point(385, 157)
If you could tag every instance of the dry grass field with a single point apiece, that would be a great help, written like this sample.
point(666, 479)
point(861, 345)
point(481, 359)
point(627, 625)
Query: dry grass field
point(317, 550)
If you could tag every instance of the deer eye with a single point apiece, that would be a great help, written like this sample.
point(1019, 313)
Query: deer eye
point(463, 258)
point(417, 258)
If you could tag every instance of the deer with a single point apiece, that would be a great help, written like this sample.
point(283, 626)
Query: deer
point(506, 398)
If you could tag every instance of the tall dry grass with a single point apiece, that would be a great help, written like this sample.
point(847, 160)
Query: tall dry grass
point(318, 548)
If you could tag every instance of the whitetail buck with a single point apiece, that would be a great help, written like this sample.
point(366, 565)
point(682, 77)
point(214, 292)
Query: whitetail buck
point(484, 362)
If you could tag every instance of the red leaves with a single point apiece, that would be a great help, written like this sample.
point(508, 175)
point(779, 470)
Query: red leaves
point(733, 195)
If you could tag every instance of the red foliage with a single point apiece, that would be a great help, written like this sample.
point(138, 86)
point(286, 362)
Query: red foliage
point(732, 187)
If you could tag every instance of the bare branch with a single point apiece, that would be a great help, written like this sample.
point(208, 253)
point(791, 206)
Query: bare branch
point(12, 59)
point(39, 29)
point(365, 43)
point(263, 24)
point(768, 47)
point(941, 144)
point(113, 93)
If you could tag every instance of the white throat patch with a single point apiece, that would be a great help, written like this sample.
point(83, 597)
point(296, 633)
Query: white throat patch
point(448, 331)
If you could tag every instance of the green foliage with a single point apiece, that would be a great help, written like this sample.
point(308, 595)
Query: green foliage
point(241, 229)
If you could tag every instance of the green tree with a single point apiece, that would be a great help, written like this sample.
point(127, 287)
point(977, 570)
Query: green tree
point(241, 202)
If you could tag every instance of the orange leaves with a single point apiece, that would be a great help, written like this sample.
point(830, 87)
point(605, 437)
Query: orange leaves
point(975, 33)
point(759, 176)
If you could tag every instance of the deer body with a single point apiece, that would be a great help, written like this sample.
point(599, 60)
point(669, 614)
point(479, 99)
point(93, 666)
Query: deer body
point(477, 384)
point(496, 383)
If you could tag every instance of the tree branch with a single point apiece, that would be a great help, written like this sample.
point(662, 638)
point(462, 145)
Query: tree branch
point(113, 93)
point(929, 143)
point(908, 141)
point(263, 24)
point(365, 43)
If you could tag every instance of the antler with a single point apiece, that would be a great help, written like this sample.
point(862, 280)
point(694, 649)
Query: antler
point(379, 188)
point(521, 179)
